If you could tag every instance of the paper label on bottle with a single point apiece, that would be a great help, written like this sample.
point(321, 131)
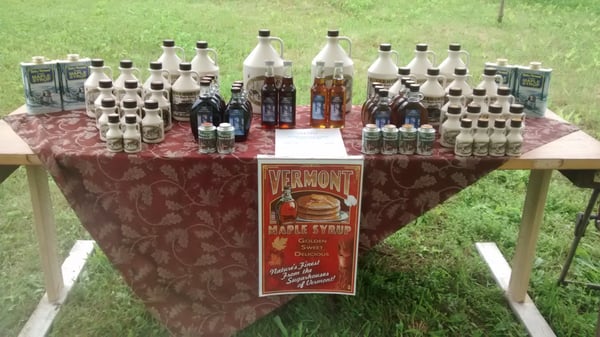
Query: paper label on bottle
point(268, 111)
point(449, 138)
point(286, 110)
point(387, 83)
point(497, 148)
point(318, 108)
point(413, 116)
point(335, 109)
point(464, 149)
point(480, 148)
point(236, 118)
point(434, 108)
point(513, 148)
point(182, 103)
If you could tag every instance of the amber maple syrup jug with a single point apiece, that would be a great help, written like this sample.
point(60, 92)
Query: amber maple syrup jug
point(203, 64)
point(170, 60)
point(384, 70)
point(254, 66)
point(453, 61)
point(423, 60)
point(331, 53)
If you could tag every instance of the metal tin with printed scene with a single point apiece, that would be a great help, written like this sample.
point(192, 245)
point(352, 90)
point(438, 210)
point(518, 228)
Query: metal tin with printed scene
point(41, 87)
point(531, 88)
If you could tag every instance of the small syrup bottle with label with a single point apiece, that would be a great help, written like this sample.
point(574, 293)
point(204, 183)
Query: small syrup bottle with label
point(319, 102)
point(498, 138)
point(152, 124)
point(481, 138)
point(114, 136)
point(132, 138)
point(514, 139)
point(451, 127)
point(287, 98)
point(337, 97)
point(464, 141)
point(108, 107)
point(268, 97)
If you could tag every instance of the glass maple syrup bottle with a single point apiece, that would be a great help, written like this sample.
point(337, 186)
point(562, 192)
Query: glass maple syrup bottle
point(268, 110)
point(319, 102)
point(287, 98)
point(286, 208)
point(337, 97)
point(413, 111)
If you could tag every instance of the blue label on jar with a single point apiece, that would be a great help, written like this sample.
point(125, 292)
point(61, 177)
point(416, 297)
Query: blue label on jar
point(268, 109)
point(413, 117)
point(336, 108)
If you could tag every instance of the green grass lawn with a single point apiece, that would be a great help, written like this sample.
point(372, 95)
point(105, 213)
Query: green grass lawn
point(425, 280)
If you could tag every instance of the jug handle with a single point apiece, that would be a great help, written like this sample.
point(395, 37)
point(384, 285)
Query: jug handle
point(137, 71)
point(214, 54)
point(432, 56)
point(182, 52)
point(397, 56)
point(109, 70)
point(444, 80)
point(274, 38)
point(192, 73)
point(467, 57)
point(347, 39)
point(165, 73)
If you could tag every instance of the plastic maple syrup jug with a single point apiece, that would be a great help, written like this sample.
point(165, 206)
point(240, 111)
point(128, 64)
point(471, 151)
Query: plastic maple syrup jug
point(202, 63)
point(330, 53)
point(454, 61)
point(170, 60)
point(423, 60)
point(254, 66)
point(384, 70)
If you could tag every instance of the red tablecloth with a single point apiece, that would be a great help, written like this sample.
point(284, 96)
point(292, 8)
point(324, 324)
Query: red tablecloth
point(181, 227)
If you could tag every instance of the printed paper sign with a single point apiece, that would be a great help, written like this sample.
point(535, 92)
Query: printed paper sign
point(309, 211)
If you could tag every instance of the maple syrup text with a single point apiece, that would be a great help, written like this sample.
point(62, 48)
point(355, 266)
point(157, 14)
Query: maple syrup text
point(314, 229)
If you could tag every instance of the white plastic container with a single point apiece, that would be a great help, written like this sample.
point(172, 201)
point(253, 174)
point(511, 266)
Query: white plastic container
point(423, 60)
point(330, 53)
point(184, 92)
point(453, 61)
point(170, 60)
point(203, 64)
point(126, 72)
point(384, 70)
point(434, 95)
point(157, 73)
point(489, 82)
point(254, 66)
point(97, 73)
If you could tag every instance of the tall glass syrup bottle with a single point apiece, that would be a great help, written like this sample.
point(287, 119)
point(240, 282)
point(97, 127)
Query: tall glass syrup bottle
point(268, 97)
point(337, 97)
point(413, 111)
point(319, 102)
point(287, 98)
point(238, 115)
point(204, 109)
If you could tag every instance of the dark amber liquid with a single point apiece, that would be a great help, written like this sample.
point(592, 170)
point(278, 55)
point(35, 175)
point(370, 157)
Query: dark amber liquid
point(410, 110)
point(269, 104)
point(287, 104)
point(337, 104)
point(319, 104)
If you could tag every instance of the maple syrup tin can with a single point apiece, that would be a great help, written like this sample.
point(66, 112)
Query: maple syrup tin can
point(425, 140)
point(531, 88)
point(40, 83)
point(389, 139)
point(371, 139)
point(407, 139)
point(72, 74)
point(207, 138)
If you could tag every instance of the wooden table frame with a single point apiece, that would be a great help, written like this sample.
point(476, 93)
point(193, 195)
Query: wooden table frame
point(576, 151)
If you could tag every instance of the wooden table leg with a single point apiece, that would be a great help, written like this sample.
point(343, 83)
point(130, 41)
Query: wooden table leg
point(45, 228)
point(533, 212)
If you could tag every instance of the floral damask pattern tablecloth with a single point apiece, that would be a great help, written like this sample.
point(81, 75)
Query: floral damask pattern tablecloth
point(181, 227)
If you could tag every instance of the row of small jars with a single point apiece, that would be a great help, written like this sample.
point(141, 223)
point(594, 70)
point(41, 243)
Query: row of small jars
point(390, 140)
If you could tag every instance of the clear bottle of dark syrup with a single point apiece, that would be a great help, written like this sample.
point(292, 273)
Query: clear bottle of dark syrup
point(205, 109)
point(287, 98)
point(412, 110)
point(238, 115)
point(269, 104)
